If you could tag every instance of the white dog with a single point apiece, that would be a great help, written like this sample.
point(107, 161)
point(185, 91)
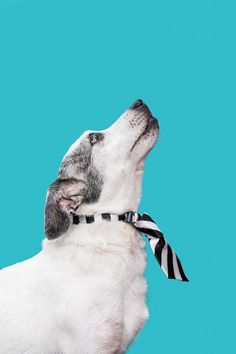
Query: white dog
point(85, 292)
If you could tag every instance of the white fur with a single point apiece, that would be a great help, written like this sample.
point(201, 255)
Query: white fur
point(84, 293)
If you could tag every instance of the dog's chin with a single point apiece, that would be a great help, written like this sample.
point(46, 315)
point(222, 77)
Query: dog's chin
point(152, 126)
point(147, 140)
point(150, 131)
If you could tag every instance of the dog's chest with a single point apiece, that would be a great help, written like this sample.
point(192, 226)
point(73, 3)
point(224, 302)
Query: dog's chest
point(100, 277)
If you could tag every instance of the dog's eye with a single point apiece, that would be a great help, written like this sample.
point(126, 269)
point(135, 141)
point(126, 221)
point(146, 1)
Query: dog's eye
point(94, 138)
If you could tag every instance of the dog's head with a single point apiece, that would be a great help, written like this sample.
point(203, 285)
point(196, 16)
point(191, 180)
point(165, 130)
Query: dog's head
point(102, 171)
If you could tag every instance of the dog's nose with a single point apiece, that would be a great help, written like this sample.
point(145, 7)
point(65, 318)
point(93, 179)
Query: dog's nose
point(137, 104)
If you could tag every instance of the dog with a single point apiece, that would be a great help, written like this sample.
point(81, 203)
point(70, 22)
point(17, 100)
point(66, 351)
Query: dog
point(85, 292)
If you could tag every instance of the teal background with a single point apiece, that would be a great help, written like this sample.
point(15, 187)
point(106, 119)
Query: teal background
point(66, 66)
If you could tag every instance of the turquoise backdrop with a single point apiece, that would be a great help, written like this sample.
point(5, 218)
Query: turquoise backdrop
point(66, 66)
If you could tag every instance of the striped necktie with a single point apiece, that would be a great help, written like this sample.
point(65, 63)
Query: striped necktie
point(164, 254)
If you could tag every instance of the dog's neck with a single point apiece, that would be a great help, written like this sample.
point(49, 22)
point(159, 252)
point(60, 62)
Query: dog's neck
point(117, 198)
point(92, 240)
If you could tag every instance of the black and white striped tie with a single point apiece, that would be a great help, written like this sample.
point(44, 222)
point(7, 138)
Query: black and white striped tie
point(165, 255)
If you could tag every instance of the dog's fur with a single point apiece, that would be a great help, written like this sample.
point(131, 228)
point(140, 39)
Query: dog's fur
point(84, 293)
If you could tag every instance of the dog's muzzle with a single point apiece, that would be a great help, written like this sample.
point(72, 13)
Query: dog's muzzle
point(142, 107)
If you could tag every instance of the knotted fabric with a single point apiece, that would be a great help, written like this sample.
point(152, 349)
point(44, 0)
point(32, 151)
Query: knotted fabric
point(164, 254)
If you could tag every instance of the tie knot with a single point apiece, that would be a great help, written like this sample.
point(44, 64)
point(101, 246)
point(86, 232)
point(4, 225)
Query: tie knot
point(131, 217)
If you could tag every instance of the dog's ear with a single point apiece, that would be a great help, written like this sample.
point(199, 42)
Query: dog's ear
point(63, 198)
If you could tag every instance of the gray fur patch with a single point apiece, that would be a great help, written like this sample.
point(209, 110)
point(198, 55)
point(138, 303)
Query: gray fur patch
point(79, 160)
point(94, 185)
point(56, 220)
point(78, 179)
point(79, 165)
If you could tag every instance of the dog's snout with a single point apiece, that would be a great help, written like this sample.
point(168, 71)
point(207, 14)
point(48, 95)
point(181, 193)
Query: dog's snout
point(138, 103)
point(140, 107)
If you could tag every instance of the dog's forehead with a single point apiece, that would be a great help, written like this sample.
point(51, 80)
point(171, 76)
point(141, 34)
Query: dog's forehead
point(78, 157)
point(82, 141)
point(77, 142)
point(80, 144)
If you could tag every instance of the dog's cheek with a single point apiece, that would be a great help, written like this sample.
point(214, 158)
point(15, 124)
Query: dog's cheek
point(56, 220)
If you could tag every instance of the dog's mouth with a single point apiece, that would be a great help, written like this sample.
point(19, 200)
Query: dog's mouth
point(152, 123)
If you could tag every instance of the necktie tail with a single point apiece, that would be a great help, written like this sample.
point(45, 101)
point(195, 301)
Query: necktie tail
point(163, 252)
